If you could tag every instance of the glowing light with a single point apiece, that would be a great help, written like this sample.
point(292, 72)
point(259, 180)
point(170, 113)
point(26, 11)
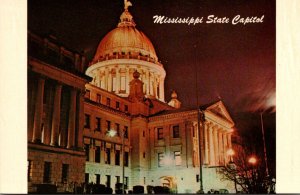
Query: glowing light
point(252, 160)
point(167, 160)
point(111, 133)
point(230, 152)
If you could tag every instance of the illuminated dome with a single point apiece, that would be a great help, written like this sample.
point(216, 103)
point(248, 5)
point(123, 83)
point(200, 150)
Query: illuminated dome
point(124, 40)
point(122, 54)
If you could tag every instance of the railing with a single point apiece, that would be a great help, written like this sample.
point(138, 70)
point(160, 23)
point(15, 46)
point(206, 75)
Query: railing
point(126, 56)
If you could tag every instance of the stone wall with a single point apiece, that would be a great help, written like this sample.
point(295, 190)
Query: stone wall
point(75, 162)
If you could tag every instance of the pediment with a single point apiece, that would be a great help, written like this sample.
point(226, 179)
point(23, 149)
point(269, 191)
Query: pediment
point(220, 110)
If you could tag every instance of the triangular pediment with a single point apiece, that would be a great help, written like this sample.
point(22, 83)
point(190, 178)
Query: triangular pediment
point(220, 110)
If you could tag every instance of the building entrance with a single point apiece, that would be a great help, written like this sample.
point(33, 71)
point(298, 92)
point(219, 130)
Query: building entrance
point(169, 181)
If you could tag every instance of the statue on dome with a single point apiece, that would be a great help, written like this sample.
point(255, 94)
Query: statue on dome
point(127, 4)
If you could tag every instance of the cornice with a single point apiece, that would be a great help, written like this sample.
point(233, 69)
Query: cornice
point(130, 62)
point(57, 74)
point(107, 109)
point(182, 115)
point(53, 149)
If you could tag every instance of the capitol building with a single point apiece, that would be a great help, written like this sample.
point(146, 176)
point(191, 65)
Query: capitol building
point(108, 121)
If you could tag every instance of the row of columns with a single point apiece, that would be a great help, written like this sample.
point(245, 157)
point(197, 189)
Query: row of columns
point(56, 116)
point(216, 144)
point(153, 85)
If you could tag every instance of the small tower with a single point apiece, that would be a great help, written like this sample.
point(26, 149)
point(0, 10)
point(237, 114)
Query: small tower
point(136, 93)
point(174, 102)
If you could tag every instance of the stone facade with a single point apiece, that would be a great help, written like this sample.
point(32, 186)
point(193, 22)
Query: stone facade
point(55, 108)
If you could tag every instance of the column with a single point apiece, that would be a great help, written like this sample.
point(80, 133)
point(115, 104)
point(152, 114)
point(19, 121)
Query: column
point(118, 80)
point(206, 157)
point(221, 154)
point(161, 90)
point(151, 85)
point(106, 72)
point(211, 147)
point(225, 147)
point(127, 80)
point(81, 119)
point(56, 115)
point(38, 114)
point(229, 140)
point(148, 82)
point(143, 76)
point(72, 118)
point(109, 82)
point(216, 145)
point(154, 86)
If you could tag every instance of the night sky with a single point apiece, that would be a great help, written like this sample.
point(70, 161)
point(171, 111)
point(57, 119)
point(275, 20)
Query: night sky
point(234, 62)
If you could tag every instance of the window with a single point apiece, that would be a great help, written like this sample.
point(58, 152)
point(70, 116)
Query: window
point(29, 170)
point(97, 154)
point(86, 178)
point(126, 132)
point(98, 124)
point(47, 172)
point(108, 181)
point(144, 180)
point(160, 159)
point(118, 105)
point(160, 133)
point(117, 157)
point(108, 125)
point(107, 101)
point(126, 108)
point(177, 157)
point(87, 94)
point(107, 156)
point(86, 121)
point(118, 129)
point(123, 84)
point(176, 131)
point(143, 133)
point(126, 159)
point(64, 173)
point(98, 178)
point(98, 100)
point(117, 179)
point(87, 151)
point(144, 155)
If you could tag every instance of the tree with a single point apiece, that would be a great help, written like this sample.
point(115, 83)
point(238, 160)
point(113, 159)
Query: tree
point(248, 173)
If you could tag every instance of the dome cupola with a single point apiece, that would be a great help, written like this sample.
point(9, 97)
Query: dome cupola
point(120, 53)
point(125, 40)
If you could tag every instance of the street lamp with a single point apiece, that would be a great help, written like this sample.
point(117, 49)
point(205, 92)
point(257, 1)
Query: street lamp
point(252, 160)
point(112, 133)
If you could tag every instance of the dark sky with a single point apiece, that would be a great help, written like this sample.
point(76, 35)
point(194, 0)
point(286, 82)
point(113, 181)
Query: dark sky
point(234, 62)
